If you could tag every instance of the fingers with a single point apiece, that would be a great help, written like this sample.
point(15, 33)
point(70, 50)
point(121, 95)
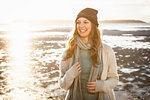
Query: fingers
point(77, 65)
point(91, 83)
point(91, 87)
point(91, 91)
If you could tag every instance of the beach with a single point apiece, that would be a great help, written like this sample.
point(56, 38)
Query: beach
point(46, 44)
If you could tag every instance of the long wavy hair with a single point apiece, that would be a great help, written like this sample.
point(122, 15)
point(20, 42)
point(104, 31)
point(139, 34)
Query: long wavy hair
point(94, 40)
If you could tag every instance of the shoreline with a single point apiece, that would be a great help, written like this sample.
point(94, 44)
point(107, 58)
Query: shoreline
point(133, 66)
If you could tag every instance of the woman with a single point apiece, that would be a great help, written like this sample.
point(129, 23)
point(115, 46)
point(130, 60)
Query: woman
point(88, 68)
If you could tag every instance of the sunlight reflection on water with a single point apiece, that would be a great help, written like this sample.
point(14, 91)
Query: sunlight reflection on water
point(19, 73)
point(126, 42)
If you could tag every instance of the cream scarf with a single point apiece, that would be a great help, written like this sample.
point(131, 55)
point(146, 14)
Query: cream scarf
point(81, 45)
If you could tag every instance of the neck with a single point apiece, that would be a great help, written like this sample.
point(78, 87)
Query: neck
point(85, 40)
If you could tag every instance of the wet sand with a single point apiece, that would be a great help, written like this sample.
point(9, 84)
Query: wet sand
point(133, 69)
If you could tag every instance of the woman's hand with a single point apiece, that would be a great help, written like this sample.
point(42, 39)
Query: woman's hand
point(77, 66)
point(91, 87)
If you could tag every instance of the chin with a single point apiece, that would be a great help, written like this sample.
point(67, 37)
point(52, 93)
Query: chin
point(83, 36)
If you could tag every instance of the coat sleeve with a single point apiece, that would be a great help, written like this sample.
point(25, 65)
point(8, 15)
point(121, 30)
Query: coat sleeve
point(112, 75)
point(67, 74)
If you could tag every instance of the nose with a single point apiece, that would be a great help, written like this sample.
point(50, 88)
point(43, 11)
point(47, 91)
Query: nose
point(81, 24)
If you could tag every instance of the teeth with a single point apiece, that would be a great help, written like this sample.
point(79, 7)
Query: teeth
point(82, 30)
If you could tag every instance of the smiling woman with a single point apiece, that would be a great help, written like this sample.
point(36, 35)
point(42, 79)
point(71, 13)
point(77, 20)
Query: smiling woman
point(84, 28)
point(88, 69)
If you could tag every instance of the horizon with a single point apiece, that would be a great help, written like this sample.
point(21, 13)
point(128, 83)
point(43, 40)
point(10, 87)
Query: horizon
point(56, 21)
point(68, 9)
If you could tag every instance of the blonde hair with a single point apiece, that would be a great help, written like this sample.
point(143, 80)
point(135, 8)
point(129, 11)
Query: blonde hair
point(94, 40)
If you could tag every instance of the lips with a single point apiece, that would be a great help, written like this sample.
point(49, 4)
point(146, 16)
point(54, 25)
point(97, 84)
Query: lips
point(82, 31)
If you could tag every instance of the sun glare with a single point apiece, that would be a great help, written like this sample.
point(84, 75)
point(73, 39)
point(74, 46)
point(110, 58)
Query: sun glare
point(19, 77)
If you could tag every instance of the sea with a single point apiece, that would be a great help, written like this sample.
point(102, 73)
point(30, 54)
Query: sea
point(30, 53)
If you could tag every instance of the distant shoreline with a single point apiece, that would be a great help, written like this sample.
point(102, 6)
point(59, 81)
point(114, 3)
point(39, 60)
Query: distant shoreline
point(102, 21)
point(122, 21)
point(59, 21)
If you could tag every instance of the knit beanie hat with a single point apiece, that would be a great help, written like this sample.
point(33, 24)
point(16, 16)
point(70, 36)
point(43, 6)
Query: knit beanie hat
point(90, 14)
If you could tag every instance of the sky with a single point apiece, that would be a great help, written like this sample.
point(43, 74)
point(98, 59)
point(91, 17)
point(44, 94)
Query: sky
point(68, 9)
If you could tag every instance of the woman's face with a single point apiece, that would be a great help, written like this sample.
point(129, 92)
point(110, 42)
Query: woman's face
point(83, 27)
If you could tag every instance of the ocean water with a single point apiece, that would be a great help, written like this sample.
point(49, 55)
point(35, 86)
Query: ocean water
point(126, 26)
point(30, 55)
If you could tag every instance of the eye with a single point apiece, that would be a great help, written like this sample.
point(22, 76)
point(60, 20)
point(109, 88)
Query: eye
point(78, 22)
point(86, 22)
